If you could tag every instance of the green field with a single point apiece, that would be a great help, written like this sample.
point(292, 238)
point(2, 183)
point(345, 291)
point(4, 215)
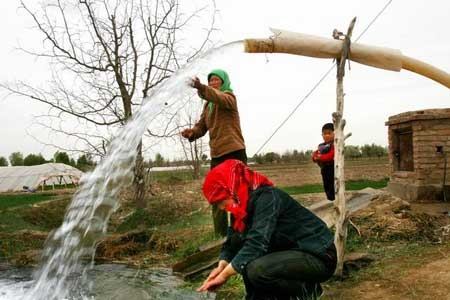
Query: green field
point(15, 200)
point(350, 185)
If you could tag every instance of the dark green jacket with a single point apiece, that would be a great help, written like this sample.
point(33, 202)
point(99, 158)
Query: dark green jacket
point(275, 222)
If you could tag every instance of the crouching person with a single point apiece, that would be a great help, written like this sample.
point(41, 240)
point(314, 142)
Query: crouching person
point(282, 250)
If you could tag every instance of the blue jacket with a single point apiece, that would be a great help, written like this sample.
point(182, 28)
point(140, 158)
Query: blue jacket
point(275, 222)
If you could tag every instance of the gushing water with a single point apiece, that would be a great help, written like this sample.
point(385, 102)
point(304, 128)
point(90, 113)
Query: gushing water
point(61, 274)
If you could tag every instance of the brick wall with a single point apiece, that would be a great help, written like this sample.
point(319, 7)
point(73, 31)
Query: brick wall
point(430, 130)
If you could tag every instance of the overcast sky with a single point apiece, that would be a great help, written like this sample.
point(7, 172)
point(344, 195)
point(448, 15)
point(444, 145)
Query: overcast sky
point(268, 87)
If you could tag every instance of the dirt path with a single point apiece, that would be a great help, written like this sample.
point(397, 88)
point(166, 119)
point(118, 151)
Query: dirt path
point(411, 247)
point(424, 276)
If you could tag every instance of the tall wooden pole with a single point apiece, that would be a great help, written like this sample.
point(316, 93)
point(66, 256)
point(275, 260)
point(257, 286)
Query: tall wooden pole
point(340, 236)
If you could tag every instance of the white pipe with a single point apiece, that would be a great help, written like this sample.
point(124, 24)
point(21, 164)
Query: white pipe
point(379, 57)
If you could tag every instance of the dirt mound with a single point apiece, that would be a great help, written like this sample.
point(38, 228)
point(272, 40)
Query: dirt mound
point(132, 243)
point(134, 248)
point(391, 218)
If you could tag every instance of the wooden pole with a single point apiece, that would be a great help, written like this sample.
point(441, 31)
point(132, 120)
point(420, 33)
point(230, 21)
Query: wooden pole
point(340, 236)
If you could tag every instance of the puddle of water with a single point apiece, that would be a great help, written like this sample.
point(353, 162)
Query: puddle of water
point(109, 282)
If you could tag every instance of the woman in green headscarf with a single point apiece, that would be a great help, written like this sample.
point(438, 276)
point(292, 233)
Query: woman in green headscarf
point(220, 116)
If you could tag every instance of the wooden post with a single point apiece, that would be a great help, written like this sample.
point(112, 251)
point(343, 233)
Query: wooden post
point(339, 179)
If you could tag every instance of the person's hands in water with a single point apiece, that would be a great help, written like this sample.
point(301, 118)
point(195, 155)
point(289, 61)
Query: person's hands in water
point(195, 83)
point(187, 133)
point(217, 277)
point(213, 283)
point(217, 270)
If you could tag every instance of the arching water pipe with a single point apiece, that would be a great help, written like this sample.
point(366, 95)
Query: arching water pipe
point(379, 57)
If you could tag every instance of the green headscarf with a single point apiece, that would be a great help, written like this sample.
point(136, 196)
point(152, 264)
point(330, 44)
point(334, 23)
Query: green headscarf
point(226, 84)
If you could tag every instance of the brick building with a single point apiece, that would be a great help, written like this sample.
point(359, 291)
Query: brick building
point(419, 145)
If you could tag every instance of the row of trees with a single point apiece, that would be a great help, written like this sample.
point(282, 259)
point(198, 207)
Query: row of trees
point(294, 156)
point(161, 161)
point(83, 162)
point(365, 151)
point(350, 152)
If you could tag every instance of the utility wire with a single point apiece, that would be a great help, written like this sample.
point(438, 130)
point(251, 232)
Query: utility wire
point(373, 20)
point(296, 107)
point(320, 80)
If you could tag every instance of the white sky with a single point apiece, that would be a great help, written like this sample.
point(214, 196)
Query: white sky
point(268, 87)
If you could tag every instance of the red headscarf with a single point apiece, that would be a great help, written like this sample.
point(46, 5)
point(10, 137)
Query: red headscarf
point(234, 179)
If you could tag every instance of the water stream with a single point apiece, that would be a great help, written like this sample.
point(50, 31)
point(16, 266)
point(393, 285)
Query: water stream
point(61, 274)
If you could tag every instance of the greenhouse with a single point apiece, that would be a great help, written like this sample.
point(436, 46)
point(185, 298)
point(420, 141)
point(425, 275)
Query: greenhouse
point(32, 178)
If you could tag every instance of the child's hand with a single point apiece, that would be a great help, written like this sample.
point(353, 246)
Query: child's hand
point(315, 157)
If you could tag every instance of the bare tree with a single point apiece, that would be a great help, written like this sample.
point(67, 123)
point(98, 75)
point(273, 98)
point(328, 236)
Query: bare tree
point(105, 57)
point(194, 151)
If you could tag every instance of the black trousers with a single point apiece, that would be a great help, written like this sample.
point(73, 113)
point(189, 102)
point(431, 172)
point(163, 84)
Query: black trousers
point(287, 275)
point(327, 172)
point(219, 216)
point(238, 154)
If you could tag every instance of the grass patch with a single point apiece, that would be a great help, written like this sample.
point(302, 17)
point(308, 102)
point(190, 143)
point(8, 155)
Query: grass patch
point(44, 217)
point(350, 185)
point(303, 189)
point(25, 227)
point(355, 185)
point(15, 200)
point(47, 216)
point(11, 221)
point(193, 232)
point(140, 218)
point(197, 218)
point(232, 289)
point(191, 245)
point(12, 244)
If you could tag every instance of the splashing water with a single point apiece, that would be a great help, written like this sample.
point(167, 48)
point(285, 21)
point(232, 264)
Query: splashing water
point(62, 275)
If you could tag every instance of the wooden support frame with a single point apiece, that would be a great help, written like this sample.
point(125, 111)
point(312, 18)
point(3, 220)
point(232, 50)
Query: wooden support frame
point(340, 236)
point(284, 41)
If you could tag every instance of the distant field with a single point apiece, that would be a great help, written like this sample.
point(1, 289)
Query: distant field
point(305, 173)
point(15, 200)
point(351, 185)
point(309, 173)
